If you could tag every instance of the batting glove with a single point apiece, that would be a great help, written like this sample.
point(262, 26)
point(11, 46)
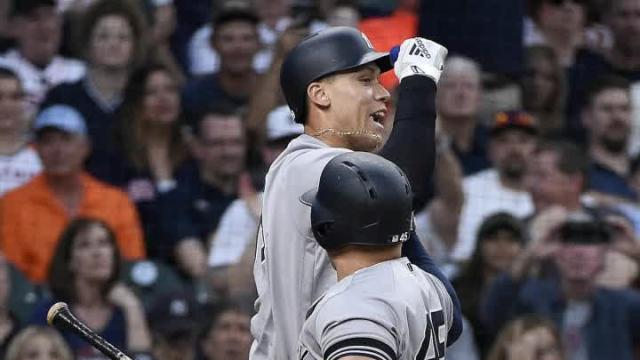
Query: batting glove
point(419, 56)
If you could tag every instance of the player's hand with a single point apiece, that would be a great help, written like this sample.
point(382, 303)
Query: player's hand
point(419, 56)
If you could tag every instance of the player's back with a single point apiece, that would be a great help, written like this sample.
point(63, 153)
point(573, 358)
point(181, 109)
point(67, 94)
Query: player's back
point(291, 270)
point(392, 310)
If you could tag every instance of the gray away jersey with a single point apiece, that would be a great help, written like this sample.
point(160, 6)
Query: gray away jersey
point(291, 270)
point(388, 311)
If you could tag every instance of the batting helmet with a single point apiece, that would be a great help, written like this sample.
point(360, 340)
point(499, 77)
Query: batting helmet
point(362, 199)
point(323, 53)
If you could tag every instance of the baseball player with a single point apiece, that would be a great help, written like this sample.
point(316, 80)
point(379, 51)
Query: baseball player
point(330, 82)
point(382, 307)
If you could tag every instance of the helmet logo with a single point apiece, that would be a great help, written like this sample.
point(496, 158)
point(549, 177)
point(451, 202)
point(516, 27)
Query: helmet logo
point(366, 39)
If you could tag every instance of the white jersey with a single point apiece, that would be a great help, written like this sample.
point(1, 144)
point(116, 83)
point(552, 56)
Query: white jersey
point(291, 270)
point(389, 311)
point(18, 168)
point(37, 81)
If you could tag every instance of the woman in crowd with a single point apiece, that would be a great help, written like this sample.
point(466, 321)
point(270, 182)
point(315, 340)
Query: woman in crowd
point(530, 337)
point(227, 336)
point(38, 342)
point(150, 140)
point(499, 241)
point(544, 89)
point(84, 273)
point(111, 39)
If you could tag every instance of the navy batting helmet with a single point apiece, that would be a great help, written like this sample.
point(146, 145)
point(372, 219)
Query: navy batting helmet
point(323, 53)
point(362, 199)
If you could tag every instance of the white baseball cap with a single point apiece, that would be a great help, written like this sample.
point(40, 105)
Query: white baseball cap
point(280, 124)
point(61, 117)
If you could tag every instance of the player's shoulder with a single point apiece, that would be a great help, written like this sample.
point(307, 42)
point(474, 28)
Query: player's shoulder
point(306, 151)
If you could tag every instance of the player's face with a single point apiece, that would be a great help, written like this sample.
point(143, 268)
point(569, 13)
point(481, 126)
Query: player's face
point(358, 107)
point(92, 254)
point(161, 103)
point(608, 119)
point(112, 42)
point(40, 347)
point(11, 105)
point(510, 151)
point(230, 338)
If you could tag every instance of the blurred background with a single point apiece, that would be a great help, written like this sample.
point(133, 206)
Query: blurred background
point(135, 136)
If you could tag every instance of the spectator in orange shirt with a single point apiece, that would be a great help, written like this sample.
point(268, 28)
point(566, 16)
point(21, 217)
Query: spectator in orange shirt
point(32, 216)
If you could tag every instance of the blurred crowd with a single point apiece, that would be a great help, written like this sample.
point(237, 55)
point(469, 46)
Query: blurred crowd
point(135, 136)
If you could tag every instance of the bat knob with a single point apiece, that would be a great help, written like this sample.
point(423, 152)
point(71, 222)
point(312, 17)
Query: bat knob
point(54, 310)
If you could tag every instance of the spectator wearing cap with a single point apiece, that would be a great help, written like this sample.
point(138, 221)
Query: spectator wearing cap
point(18, 160)
point(33, 216)
point(232, 246)
point(111, 40)
point(501, 188)
point(202, 195)
point(236, 41)
point(499, 241)
point(174, 322)
point(37, 28)
point(607, 117)
point(595, 322)
point(458, 103)
point(227, 334)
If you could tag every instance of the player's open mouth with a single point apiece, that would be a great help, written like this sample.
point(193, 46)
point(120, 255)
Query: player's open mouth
point(378, 116)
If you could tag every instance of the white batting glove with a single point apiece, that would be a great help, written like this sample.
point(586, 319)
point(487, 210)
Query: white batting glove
point(419, 56)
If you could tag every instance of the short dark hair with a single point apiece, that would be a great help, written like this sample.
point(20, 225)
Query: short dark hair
point(25, 7)
point(61, 277)
point(220, 108)
point(571, 159)
point(235, 11)
point(602, 83)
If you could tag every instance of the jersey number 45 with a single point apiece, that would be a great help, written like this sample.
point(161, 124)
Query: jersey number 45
point(432, 346)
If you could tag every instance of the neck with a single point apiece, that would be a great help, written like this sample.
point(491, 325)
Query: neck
point(65, 185)
point(11, 142)
point(577, 291)
point(89, 294)
point(619, 163)
point(460, 130)
point(511, 183)
point(349, 260)
point(228, 185)
point(564, 43)
point(624, 59)
point(109, 83)
point(237, 85)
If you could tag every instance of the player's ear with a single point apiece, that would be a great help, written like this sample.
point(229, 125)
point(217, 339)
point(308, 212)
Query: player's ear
point(318, 94)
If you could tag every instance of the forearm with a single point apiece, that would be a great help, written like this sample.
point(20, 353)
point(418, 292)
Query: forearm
point(138, 335)
point(411, 144)
point(264, 99)
point(446, 207)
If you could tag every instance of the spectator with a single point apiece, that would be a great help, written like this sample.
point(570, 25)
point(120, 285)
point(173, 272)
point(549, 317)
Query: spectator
point(163, 24)
point(501, 188)
point(174, 325)
point(239, 223)
point(38, 342)
point(344, 13)
point(219, 147)
point(236, 41)
point(9, 323)
point(544, 89)
point(595, 322)
point(111, 40)
point(227, 337)
point(500, 240)
point(18, 161)
point(458, 103)
point(607, 117)
point(530, 337)
point(150, 136)
point(33, 216)
point(37, 28)
point(84, 273)
point(560, 25)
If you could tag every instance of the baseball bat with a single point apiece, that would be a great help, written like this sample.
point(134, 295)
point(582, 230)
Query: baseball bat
point(60, 317)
